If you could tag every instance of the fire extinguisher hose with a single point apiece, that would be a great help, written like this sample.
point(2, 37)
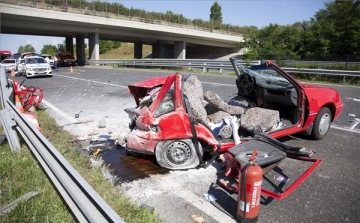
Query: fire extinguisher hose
point(244, 187)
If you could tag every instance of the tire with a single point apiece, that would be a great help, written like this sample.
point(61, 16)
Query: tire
point(177, 154)
point(322, 123)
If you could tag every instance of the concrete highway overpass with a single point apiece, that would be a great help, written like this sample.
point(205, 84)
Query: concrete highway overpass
point(167, 40)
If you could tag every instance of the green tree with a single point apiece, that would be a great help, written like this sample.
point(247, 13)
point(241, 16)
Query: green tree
point(21, 49)
point(274, 42)
point(26, 48)
point(106, 45)
point(334, 30)
point(215, 13)
point(49, 49)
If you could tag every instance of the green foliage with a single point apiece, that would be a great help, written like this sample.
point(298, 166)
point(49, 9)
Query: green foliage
point(215, 16)
point(250, 55)
point(20, 174)
point(105, 45)
point(77, 4)
point(21, 49)
point(26, 48)
point(29, 48)
point(49, 49)
point(215, 13)
point(334, 30)
point(274, 42)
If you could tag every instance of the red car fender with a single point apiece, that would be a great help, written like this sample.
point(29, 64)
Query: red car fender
point(144, 118)
point(318, 98)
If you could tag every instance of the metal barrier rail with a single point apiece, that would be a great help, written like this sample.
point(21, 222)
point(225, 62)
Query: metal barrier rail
point(84, 202)
point(219, 65)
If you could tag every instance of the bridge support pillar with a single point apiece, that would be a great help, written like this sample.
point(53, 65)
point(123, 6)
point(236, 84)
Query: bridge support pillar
point(156, 49)
point(137, 50)
point(94, 46)
point(180, 50)
point(80, 50)
point(160, 50)
point(69, 44)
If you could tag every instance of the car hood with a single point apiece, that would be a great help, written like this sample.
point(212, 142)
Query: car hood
point(311, 86)
point(140, 89)
point(37, 65)
point(315, 91)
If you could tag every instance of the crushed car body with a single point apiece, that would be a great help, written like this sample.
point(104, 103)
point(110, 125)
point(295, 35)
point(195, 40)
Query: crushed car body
point(185, 127)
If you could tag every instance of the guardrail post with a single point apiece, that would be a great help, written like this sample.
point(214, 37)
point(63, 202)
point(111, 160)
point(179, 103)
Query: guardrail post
point(205, 69)
point(9, 127)
point(7, 120)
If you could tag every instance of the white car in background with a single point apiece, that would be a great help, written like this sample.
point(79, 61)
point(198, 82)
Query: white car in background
point(36, 66)
point(51, 59)
point(22, 57)
point(8, 64)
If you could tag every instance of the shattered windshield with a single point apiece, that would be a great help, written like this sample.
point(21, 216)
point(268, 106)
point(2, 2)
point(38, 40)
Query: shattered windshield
point(262, 72)
point(265, 76)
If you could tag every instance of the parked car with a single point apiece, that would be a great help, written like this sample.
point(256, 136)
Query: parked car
point(8, 64)
point(36, 66)
point(181, 125)
point(23, 55)
point(51, 59)
point(15, 56)
point(66, 58)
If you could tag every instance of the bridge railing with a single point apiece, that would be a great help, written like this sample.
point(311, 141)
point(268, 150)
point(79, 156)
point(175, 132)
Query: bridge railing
point(84, 202)
point(85, 11)
point(212, 65)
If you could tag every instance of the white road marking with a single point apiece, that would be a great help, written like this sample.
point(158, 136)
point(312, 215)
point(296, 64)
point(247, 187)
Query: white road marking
point(60, 112)
point(356, 122)
point(204, 206)
point(92, 81)
point(345, 129)
point(218, 83)
point(354, 99)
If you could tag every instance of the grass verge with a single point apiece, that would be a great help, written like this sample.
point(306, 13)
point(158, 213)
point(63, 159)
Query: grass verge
point(20, 173)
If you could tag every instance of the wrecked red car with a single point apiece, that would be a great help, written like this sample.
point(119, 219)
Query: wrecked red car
point(185, 127)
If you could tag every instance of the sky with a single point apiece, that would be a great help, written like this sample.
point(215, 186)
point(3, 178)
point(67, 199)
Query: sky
point(258, 13)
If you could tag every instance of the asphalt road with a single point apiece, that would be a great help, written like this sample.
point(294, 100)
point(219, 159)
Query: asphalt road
point(330, 194)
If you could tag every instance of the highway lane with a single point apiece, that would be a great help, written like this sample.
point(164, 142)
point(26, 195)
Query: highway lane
point(330, 194)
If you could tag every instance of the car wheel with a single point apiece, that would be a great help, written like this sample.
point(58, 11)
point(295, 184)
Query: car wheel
point(322, 123)
point(177, 154)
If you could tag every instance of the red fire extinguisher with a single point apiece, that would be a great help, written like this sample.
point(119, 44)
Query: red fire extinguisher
point(249, 191)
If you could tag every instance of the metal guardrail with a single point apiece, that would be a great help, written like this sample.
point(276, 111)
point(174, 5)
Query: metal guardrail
point(217, 65)
point(84, 202)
